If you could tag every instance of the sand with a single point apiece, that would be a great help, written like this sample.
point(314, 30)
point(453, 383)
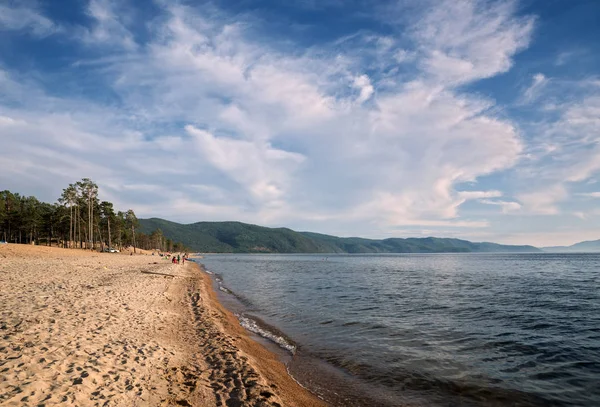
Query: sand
point(79, 328)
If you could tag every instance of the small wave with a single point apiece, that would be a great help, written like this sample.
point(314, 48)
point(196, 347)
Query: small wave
point(253, 326)
point(209, 272)
point(225, 290)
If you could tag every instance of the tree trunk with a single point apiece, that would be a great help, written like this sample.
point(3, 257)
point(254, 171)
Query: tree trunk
point(133, 233)
point(101, 240)
point(79, 232)
point(75, 228)
point(71, 233)
point(90, 225)
point(109, 242)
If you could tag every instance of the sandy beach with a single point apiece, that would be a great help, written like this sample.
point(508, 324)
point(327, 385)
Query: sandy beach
point(80, 328)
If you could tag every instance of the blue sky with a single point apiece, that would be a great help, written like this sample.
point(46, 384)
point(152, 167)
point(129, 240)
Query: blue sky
point(474, 119)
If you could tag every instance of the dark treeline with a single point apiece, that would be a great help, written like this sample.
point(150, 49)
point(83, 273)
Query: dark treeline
point(78, 220)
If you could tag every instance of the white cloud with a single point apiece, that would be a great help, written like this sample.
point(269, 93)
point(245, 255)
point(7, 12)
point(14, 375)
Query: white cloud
point(468, 195)
point(590, 194)
point(507, 206)
point(566, 57)
point(25, 16)
point(402, 56)
point(566, 149)
point(256, 166)
point(108, 28)
point(543, 201)
point(532, 92)
point(281, 137)
point(470, 40)
point(363, 84)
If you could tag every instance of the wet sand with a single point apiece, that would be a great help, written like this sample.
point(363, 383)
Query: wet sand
point(98, 329)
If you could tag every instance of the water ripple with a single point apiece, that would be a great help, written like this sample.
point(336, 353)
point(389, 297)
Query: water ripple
point(451, 329)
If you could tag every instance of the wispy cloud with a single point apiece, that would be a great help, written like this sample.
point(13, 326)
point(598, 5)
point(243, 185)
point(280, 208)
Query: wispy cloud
point(590, 194)
point(544, 201)
point(108, 28)
point(26, 16)
point(469, 40)
point(532, 92)
point(370, 133)
point(507, 206)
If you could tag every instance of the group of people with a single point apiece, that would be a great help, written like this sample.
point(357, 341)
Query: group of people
point(179, 259)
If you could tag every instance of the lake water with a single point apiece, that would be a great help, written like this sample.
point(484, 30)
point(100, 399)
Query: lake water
point(429, 329)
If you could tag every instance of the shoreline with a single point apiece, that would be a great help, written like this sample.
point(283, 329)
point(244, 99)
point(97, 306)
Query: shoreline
point(247, 352)
point(86, 328)
point(333, 384)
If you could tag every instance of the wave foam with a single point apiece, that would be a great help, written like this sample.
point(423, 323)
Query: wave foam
point(252, 326)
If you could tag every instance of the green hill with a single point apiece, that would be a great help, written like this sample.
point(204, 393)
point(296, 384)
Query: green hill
point(237, 237)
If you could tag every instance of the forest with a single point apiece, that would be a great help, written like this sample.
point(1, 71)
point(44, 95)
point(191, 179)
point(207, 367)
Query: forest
point(77, 220)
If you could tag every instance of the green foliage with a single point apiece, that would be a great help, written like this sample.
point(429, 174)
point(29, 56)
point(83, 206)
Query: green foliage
point(78, 220)
point(237, 237)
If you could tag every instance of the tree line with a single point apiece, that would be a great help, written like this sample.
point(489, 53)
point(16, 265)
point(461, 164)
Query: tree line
point(78, 220)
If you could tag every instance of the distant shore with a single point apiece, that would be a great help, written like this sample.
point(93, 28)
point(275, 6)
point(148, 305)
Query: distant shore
point(85, 328)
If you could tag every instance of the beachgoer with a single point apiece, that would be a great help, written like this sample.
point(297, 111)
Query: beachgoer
point(178, 259)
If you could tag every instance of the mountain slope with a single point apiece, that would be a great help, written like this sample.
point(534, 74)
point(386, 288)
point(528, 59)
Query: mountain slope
point(587, 246)
point(237, 237)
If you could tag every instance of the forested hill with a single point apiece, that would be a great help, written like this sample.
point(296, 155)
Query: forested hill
point(237, 237)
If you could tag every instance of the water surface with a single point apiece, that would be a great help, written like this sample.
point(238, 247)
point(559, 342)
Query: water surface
point(435, 329)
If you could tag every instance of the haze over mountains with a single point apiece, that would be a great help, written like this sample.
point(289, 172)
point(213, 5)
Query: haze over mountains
point(590, 246)
point(237, 237)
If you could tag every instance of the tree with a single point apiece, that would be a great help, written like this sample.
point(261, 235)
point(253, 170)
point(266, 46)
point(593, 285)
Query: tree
point(10, 214)
point(5, 206)
point(77, 217)
point(156, 239)
point(107, 214)
point(132, 222)
point(30, 217)
point(89, 193)
point(69, 200)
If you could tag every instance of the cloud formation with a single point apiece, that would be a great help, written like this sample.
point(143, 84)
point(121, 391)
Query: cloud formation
point(25, 17)
point(364, 135)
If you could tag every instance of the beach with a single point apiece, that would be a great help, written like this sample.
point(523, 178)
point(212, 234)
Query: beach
point(83, 328)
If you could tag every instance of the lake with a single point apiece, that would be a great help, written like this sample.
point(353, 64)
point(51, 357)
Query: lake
point(428, 329)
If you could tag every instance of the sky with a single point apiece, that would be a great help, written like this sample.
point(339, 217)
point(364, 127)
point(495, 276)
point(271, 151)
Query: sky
point(473, 119)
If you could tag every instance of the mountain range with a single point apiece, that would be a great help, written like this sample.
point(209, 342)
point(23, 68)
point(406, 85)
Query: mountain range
point(238, 237)
point(589, 246)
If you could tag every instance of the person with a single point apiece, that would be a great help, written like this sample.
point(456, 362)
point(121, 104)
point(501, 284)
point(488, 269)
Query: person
point(174, 260)
point(178, 259)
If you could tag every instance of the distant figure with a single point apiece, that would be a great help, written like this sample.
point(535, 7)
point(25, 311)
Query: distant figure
point(178, 259)
point(174, 260)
